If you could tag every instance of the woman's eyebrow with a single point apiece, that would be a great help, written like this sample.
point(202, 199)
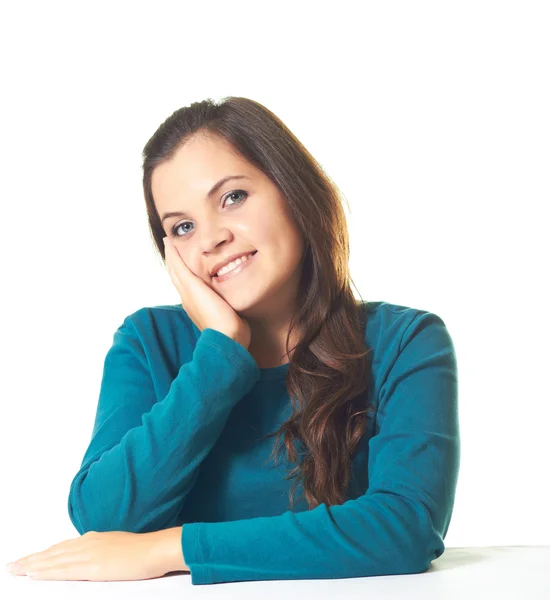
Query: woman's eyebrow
point(214, 189)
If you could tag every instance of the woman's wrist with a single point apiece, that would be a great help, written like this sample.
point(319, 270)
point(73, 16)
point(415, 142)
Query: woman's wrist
point(166, 549)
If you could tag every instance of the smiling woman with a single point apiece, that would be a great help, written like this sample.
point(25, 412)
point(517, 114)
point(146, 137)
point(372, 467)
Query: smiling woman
point(268, 340)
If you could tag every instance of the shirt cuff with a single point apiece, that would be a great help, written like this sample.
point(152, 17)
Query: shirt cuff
point(192, 553)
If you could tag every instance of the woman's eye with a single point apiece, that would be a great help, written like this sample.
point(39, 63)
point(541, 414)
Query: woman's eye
point(227, 196)
point(236, 192)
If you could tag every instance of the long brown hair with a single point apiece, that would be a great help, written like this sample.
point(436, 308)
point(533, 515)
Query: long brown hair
point(329, 371)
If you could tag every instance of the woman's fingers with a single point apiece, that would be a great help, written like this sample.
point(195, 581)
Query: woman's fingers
point(62, 553)
point(177, 264)
point(171, 264)
point(60, 561)
point(59, 548)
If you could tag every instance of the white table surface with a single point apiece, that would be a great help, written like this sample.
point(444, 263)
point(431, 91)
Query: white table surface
point(499, 572)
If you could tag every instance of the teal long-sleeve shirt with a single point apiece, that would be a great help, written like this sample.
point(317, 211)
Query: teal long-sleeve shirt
point(176, 441)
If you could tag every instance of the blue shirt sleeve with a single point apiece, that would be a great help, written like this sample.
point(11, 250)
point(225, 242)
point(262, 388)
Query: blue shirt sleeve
point(146, 451)
point(398, 525)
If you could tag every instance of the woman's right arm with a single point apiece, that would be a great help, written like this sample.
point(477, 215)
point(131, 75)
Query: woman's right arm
point(145, 454)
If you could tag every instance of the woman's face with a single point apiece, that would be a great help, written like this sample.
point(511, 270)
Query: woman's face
point(243, 215)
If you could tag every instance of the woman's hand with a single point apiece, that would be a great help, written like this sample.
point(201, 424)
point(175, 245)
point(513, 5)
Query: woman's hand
point(98, 556)
point(204, 306)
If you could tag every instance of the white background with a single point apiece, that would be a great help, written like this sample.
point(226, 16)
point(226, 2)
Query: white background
point(431, 117)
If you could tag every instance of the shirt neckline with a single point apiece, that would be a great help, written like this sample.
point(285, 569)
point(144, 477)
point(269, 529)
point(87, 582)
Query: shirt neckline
point(274, 373)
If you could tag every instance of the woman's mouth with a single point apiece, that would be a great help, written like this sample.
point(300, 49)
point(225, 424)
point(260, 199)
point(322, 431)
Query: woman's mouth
point(236, 271)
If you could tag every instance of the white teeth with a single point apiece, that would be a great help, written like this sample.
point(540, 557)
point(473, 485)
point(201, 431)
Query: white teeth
point(233, 265)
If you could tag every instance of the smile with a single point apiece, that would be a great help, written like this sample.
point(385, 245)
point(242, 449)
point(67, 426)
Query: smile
point(234, 272)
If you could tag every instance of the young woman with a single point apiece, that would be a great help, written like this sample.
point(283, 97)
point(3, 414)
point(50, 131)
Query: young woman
point(268, 341)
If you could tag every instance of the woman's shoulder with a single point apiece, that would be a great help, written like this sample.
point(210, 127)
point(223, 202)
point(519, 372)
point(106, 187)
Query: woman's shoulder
point(389, 324)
